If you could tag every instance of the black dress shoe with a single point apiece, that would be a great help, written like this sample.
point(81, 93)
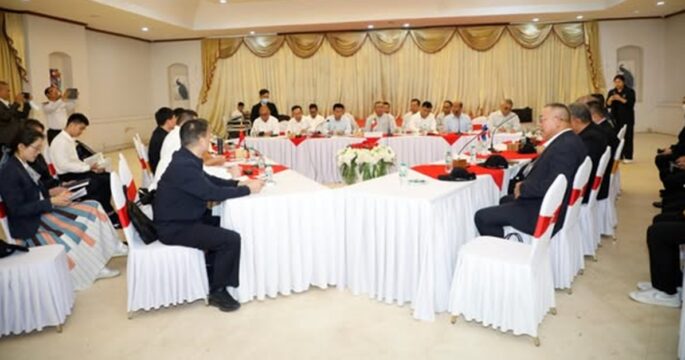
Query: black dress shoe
point(658, 204)
point(224, 301)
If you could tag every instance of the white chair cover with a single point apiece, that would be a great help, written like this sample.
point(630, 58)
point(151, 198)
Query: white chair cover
point(481, 120)
point(282, 126)
point(157, 274)
point(588, 212)
point(131, 189)
point(4, 223)
point(621, 135)
point(506, 284)
point(141, 151)
point(36, 290)
point(608, 218)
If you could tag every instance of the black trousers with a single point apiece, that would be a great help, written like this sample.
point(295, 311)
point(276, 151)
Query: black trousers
point(663, 164)
point(491, 221)
point(663, 241)
point(98, 188)
point(51, 135)
point(221, 245)
point(628, 146)
point(674, 182)
point(674, 202)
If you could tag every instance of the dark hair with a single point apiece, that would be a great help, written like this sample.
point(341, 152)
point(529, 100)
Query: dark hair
point(296, 107)
point(241, 104)
point(581, 112)
point(427, 105)
point(47, 89)
point(193, 113)
point(26, 137)
point(263, 91)
point(185, 116)
point(448, 102)
point(619, 76)
point(162, 115)
point(600, 98)
point(386, 103)
point(34, 124)
point(78, 118)
point(415, 101)
point(564, 109)
point(313, 106)
point(596, 107)
point(338, 106)
point(178, 111)
point(193, 130)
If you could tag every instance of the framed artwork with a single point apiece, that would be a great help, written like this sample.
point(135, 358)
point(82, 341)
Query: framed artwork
point(629, 64)
point(179, 87)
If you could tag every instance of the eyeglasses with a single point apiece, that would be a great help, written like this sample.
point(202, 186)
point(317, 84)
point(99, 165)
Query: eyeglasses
point(36, 147)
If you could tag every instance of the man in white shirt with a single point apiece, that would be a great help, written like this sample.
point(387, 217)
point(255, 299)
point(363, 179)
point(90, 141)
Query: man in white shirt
point(424, 121)
point(338, 123)
point(444, 112)
point(265, 124)
point(69, 167)
point(317, 123)
point(457, 121)
point(298, 124)
point(386, 109)
point(379, 120)
point(504, 118)
point(414, 107)
point(57, 109)
point(239, 112)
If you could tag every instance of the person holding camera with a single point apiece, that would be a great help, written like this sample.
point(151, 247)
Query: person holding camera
point(57, 109)
point(11, 117)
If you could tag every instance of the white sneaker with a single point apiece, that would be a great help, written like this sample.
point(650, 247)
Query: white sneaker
point(627, 161)
point(644, 285)
point(122, 250)
point(656, 297)
point(107, 273)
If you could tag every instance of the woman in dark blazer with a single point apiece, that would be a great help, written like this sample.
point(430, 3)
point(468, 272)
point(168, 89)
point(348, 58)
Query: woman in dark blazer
point(38, 216)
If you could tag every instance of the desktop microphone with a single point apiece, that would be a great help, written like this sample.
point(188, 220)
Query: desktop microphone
point(509, 117)
point(483, 131)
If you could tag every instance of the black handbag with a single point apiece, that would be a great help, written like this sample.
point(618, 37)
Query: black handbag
point(8, 249)
point(143, 224)
point(146, 196)
point(458, 174)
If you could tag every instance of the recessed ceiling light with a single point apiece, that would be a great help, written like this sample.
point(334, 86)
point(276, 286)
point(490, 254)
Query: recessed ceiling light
point(251, 32)
point(579, 17)
point(370, 26)
point(406, 25)
point(659, 3)
point(536, 19)
point(222, 1)
point(145, 28)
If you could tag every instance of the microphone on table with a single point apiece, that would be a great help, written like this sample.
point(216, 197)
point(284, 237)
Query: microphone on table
point(481, 133)
point(510, 117)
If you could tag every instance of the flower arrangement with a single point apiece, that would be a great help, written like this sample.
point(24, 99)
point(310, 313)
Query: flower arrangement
point(367, 159)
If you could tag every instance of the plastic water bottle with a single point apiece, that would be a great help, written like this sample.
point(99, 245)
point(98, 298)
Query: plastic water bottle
point(261, 164)
point(269, 172)
point(448, 162)
point(404, 170)
point(472, 154)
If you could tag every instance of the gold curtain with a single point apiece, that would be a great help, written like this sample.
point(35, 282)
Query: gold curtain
point(10, 69)
point(481, 38)
point(346, 43)
point(529, 36)
point(304, 45)
point(388, 41)
point(551, 72)
point(570, 34)
point(14, 30)
point(593, 56)
point(432, 40)
point(264, 46)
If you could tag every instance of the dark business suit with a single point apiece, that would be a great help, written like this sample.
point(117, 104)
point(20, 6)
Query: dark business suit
point(155, 148)
point(255, 110)
point(41, 167)
point(11, 119)
point(22, 198)
point(563, 156)
point(596, 144)
point(613, 142)
point(624, 115)
point(180, 208)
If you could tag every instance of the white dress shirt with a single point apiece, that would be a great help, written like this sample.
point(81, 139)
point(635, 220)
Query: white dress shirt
point(236, 114)
point(57, 113)
point(297, 127)
point(419, 123)
point(454, 124)
point(316, 124)
point(171, 144)
point(440, 120)
point(64, 155)
point(343, 125)
point(496, 119)
point(384, 123)
point(7, 103)
point(259, 125)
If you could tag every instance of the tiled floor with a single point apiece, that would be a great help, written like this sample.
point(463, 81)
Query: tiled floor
point(598, 321)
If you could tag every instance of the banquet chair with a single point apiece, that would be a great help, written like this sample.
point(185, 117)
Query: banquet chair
point(589, 229)
point(566, 251)
point(130, 185)
point(621, 133)
point(508, 284)
point(156, 274)
point(481, 120)
point(141, 151)
point(282, 126)
point(4, 223)
point(48, 160)
point(606, 208)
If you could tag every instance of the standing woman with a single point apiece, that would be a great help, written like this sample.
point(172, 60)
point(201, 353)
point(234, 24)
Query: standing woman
point(621, 102)
point(39, 216)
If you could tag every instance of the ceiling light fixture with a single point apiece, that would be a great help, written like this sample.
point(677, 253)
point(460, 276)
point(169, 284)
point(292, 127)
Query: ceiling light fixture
point(536, 19)
point(579, 17)
point(660, 3)
point(222, 1)
point(145, 28)
point(370, 26)
point(251, 32)
point(406, 25)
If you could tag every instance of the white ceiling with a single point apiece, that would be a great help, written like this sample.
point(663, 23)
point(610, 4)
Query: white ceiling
point(174, 19)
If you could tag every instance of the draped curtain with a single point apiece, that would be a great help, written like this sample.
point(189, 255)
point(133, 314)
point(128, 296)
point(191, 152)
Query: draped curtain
point(12, 51)
point(532, 64)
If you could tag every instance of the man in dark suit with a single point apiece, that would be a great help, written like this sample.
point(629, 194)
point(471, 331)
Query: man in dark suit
point(182, 218)
point(166, 121)
point(621, 101)
point(593, 137)
point(263, 100)
point(10, 117)
point(599, 117)
point(563, 153)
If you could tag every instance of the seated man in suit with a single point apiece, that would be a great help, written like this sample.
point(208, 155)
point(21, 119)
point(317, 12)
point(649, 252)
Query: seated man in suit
point(504, 118)
point(457, 121)
point(166, 121)
point(563, 153)
point(182, 217)
point(264, 95)
point(338, 123)
point(298, 124)
point(379, 120)
point(593, 137)
point(265, 124)
point(598, 114)
point(69, 167)
point(10, 118)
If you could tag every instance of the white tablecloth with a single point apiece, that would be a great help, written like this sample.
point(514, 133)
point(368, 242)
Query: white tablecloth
point(316, 158)
point(35, 290)
point(292, 237)
point(401, 241)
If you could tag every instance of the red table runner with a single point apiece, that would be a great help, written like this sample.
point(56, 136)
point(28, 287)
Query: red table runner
point(436, 170)
point(451, 138)
point(255, 169)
